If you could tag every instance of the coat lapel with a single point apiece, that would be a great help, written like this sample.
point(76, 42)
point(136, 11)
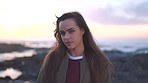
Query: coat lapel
point(85, 75)
point(61, 74)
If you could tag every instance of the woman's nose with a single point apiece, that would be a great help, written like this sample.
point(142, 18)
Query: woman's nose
point(66, 36)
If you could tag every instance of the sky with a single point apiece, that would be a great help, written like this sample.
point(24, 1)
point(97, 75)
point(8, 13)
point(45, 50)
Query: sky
point(107, 19)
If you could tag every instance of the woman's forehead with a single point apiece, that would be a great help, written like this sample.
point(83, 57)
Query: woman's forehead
point(67, 24)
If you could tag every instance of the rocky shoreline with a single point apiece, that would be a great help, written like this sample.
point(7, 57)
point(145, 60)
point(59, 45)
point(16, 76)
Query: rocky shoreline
point(128, 69)
point(131, 69)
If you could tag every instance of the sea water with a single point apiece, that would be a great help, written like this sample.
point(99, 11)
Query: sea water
point(125, 46)
point(136, 46)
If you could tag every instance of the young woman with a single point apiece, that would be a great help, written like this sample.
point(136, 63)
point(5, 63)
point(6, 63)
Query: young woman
point(75, 57)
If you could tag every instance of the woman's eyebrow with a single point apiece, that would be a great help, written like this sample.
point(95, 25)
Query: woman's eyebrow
point(69, 29)
point(66, 30)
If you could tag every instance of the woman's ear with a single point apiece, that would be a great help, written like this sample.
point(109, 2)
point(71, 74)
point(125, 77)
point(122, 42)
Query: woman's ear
point(83, 31)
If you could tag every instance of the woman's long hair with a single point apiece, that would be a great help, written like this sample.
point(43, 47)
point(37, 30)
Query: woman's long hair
point(101, 69)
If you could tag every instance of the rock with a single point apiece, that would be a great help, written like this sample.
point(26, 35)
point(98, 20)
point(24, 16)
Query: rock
point(131, 69)
point(29, 66)
point(12, 47)
point(16, 81)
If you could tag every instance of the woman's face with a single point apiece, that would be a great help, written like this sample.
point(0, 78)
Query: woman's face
point(71, 34)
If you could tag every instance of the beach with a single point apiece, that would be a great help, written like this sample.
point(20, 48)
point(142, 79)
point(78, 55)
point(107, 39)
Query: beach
point(129, 67)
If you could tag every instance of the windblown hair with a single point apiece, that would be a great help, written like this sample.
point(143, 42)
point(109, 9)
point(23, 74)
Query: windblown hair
point(101, 69)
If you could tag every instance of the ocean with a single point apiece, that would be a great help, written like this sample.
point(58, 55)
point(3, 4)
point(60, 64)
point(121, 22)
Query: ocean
point(134, 46)
point(125, 46)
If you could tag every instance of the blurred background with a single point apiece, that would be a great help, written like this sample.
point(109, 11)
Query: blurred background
point(119, 27)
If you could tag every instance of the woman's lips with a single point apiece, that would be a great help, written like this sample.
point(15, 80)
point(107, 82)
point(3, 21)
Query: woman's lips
point(68, 43)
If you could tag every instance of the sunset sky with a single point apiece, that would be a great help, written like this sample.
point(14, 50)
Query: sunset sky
point(107, 19)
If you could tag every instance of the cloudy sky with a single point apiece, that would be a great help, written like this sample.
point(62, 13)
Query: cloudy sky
point(107, 19)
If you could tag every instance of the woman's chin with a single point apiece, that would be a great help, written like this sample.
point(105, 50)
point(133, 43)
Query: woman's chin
point(70, 47)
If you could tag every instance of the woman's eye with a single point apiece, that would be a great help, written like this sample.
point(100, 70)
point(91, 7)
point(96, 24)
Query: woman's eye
point(62, 33)
point(71, 31)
